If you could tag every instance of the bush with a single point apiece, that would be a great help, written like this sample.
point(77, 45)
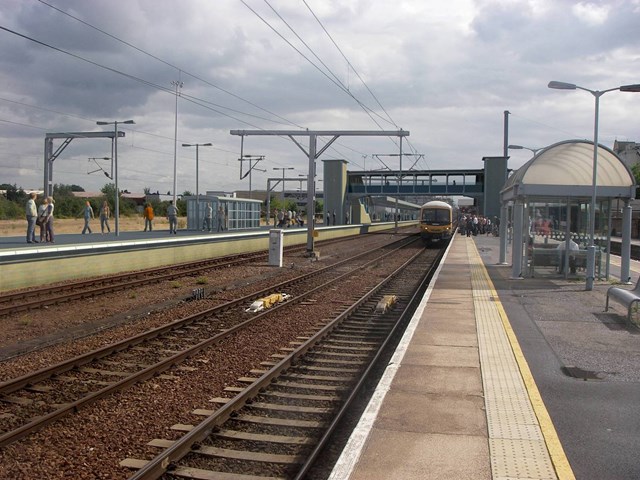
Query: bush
point(11, 210)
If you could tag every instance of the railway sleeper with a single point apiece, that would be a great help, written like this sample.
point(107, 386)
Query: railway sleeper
point(316, 378)
point(311, 386)
point(339, 362)
point(301, 396)
point(314, 368)
point(276, 407)
point(340, 354)
point(233, 454)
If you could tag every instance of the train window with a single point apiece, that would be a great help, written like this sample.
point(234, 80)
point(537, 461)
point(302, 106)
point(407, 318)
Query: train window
point(435, 215)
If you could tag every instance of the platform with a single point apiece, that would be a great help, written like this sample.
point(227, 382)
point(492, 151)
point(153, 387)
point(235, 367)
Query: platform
point(74, 256)
point(488, 382)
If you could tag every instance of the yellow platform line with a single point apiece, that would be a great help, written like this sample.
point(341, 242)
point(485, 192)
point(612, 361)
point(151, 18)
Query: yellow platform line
point(556, 452)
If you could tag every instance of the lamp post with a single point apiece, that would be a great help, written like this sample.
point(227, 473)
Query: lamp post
point(177, 84)
point(197, 145)
point(520, 147)
point(283, 170)
point(591, 250)
point(115, 167)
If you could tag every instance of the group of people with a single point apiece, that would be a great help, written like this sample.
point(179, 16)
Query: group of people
point(474, 225)
point(288, 218)
point(41, 216)
point(207, 220)
point(104, 214)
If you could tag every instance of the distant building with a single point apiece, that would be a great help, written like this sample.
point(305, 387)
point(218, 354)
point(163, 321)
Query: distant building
point(629, 152)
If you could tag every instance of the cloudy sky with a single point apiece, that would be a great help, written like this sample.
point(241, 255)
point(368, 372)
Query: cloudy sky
point(444, 70)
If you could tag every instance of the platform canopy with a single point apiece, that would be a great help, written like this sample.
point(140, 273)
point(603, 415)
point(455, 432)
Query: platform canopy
point(565, 169)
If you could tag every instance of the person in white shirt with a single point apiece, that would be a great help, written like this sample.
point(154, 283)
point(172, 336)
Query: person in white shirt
point(32, 215)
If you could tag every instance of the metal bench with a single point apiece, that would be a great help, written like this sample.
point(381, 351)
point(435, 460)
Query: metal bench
point(625, 297)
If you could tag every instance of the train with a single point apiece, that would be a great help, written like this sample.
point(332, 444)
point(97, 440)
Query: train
point(437, 222)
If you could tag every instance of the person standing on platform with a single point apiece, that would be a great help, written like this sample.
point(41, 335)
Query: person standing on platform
point(220, 219)
point(87, 212)
point(49, 221)
point(334, 217)
point(42, 218)
point(105, 213)
point(172, 215)
point(328, 219)
point(148, 217)
point(208, 216)
point(32, 217)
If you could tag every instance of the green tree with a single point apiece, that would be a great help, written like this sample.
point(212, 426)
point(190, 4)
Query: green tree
point(14, 194)
point(10, 210)
point(109, 191)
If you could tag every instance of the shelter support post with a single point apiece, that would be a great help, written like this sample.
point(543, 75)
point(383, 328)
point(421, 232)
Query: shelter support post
point(503, 235)
point(625, 254)
point(516, 250)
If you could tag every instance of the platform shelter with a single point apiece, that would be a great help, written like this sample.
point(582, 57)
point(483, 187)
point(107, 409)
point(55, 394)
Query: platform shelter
point(547, 203)
point(230, 213)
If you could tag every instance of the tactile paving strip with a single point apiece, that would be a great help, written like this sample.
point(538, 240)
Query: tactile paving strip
point(517, 446)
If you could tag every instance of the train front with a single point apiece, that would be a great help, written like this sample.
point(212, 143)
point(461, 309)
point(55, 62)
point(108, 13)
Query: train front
point(436, 222)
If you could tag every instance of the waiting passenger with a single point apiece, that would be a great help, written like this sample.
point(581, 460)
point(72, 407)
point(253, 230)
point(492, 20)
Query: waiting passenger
point(105, 214)
point(573, 247)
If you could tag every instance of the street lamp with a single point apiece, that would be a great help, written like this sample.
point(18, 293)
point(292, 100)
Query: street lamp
point(197, 145)
point(591, 250)
point(115, 167)
point(283, 170)
point(520, 147)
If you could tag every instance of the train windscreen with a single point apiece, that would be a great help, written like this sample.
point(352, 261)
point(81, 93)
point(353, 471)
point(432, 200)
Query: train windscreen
point(435, 215)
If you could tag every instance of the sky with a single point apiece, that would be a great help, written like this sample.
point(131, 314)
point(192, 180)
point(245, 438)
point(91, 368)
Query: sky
point(446, 71)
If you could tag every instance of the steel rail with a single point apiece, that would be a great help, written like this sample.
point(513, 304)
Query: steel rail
point(166, 460)
point(46, 373)
point(417, 296)
point(86, 288)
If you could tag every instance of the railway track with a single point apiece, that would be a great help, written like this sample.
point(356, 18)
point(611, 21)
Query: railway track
point(14, 302)
point(32, 401)
point(277, 426)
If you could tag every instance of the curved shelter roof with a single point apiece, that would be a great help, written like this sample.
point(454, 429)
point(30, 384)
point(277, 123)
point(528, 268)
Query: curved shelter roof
point(565, 169)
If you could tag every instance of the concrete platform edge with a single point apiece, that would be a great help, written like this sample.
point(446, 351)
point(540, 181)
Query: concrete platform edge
point(354, 447)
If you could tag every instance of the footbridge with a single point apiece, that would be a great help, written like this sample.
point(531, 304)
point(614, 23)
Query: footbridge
point(354, 195)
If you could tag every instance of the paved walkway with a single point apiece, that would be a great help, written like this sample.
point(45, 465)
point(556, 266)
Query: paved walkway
point(457, 400)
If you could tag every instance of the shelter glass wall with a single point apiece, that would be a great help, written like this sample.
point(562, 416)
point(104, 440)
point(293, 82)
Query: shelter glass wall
point(550, 222)
point(239, 214)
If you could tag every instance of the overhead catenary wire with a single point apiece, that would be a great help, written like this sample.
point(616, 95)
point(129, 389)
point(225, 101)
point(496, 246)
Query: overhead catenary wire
point(188, 98)
point(339, 84)
point(169, 64)
point(201, 102)
point(349, 64)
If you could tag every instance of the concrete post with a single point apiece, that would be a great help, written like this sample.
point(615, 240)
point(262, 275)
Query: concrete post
point(625, 254)
point(503, 235)
point(516, 250)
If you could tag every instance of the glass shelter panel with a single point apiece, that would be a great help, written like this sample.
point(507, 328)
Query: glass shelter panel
point(556, 225)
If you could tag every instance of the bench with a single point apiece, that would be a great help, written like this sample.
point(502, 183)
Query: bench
point(625, 297)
